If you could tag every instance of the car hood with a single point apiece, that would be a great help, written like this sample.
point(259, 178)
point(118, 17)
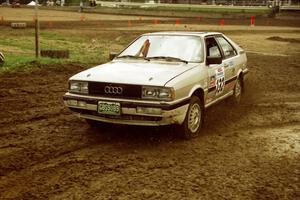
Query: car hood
point(137, 73)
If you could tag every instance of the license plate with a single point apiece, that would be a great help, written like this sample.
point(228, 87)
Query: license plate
point(109, 108)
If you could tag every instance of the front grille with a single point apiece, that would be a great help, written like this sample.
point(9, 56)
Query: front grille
point(128, 91)
point(121, 117)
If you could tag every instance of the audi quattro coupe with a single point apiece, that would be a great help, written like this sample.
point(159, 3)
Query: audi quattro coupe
point(160, 79)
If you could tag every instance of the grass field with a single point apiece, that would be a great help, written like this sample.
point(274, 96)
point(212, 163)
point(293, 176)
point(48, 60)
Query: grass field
point(83, 37)
point(89, 47)
point(90, 40)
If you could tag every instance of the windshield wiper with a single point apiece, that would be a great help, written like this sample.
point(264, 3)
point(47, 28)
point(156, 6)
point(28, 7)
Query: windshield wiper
point(131, 56)
point(168, 58)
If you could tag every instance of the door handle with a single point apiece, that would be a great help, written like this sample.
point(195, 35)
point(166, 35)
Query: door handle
point(226, 65)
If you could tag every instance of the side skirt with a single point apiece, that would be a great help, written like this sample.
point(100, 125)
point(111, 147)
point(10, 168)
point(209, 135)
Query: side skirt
point(219, 99)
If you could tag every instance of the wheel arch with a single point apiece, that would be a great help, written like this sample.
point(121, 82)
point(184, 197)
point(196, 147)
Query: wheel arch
point(199, 92)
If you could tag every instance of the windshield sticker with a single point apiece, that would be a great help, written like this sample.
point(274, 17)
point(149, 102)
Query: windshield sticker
point(220, 80)
point(144, 49)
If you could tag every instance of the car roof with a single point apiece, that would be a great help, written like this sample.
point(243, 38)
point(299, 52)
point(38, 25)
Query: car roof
point(189, 33)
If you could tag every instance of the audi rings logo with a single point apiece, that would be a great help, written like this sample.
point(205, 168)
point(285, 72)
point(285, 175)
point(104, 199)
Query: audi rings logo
point(113, 90)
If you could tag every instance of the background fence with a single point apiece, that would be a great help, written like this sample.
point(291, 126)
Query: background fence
point(218, 2)
point(196, 2)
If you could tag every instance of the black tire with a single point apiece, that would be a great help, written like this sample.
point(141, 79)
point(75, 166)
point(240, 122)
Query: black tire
point(188, 129)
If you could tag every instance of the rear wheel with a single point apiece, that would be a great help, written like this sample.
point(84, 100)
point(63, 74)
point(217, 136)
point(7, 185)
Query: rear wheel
point(193, 119)
point(237, 91)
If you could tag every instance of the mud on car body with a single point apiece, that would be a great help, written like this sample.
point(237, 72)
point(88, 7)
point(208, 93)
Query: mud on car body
point(160, 79)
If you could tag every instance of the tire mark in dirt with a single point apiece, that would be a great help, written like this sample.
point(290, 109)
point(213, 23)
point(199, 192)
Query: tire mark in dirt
point(97, 171)
point(249, 149)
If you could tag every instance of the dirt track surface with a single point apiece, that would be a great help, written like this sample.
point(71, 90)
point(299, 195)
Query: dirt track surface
point(247, 152)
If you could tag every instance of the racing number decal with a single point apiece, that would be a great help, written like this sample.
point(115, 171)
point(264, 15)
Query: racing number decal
point(220, 80)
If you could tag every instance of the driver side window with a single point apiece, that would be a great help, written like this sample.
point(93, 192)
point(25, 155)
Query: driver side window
point(212, 49)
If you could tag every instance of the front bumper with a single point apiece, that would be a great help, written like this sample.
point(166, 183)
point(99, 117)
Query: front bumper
point(171, 113)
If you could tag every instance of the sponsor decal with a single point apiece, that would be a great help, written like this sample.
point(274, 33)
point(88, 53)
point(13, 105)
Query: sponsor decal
point(212, 81)
point(220, 80)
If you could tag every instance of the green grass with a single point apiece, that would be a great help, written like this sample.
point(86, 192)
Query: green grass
point(18, 47)
point(24, 44)
point(25, 62)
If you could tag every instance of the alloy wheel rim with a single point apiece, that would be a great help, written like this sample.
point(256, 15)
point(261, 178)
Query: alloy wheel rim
point(194, 118)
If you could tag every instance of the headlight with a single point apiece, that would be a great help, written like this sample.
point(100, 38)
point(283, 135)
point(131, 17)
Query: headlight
point(79, 87)
point(158, 93)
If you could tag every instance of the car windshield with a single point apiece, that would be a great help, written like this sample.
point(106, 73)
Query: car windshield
point(170, 47)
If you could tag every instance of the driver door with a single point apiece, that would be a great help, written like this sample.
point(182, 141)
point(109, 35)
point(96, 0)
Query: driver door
point(216, 72)
point(229, 62)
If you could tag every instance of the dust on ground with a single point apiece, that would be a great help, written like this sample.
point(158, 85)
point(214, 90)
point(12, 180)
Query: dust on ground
point(289, 40)
point(251, 151)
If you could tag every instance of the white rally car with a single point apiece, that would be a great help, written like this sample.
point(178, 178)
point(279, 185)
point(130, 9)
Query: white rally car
point(159, 79)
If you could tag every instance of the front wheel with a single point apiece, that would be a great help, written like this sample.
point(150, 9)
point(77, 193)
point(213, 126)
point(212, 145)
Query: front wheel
point(193, 119)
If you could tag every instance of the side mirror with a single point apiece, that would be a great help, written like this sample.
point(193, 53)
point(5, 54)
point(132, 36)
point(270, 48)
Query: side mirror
point(210, 60)
point(112, 55)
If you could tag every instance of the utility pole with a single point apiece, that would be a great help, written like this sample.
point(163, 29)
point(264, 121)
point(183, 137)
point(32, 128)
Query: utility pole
point(37, 29)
